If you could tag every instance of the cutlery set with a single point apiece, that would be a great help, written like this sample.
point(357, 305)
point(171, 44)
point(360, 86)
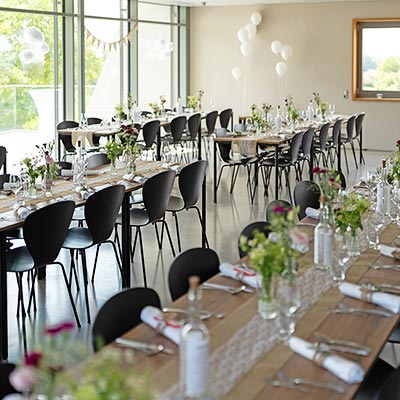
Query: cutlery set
point(147, 348)
point(362, 312)
point(226, 288)
point(325, 343)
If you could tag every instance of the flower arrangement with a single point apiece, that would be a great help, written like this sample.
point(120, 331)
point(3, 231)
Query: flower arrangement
point(322, 105)
point(114, 149)
point(329, 183)
point(163, 100)
point(31, 166)
point(394, 162)
point(350, 214)
point(119, 109)
point(292, 111)
point(261, 116)
point(129, 102)
point(128, 135)
point(156, 108)
point(50, 168)
point(200, 94)
point(192, 102)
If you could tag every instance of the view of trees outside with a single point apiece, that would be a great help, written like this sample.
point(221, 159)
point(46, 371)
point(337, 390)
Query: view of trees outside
point(380, 59)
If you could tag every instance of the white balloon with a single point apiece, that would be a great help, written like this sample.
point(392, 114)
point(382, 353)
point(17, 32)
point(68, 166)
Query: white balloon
point(276, 46)
point(169, 47)
point(163, 54)
point(159, 44)
point(286, 52)
point(246, 49)
point(237, 72)
point(281, 68)
point(252, 30)
point(33, 35)
point(42, 48)
point(256, 18)
point(27, 57)
point(243, 35)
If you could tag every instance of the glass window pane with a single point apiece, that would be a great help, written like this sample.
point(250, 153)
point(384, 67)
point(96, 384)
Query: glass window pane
point(155, 12)
point(109, 8)
point(381, 59)
point(38, 5)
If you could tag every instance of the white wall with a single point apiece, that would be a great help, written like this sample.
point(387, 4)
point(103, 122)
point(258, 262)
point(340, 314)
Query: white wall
point(321, 36)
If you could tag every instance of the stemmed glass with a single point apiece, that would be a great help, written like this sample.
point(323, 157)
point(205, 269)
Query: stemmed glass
point(340, 261)
point(83, 123)
point(331, 110)
point(375, 223)
point(15, 184)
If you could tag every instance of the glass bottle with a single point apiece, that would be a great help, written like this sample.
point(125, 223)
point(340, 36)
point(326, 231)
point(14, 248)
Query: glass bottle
point(193, 351)
point(278, 119)
point(79, 166)
point(383, 192)
point(179, 106)
point(310, 111)
point(323, 239)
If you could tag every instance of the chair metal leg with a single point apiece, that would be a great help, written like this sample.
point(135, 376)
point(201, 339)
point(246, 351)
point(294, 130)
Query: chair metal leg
point(202, 225)
point(73, 270)
point(354, 153)
point(345, 157)
point(142, 255)
point(134, 244)
point(85, 281)
point(159, 240)
point(178, 238)
point(95, 261)
point(32, 295)
point(169, 236)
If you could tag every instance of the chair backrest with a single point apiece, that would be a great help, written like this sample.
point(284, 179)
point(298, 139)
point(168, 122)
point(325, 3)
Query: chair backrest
point(211, 120)
point(248, 232)
point(45, 231)
point(201, 262)
point(64, 165)
point(359, 123)
point(177, 127)
point(306, 194)
point(101, 211)
point(224, 117)
point(3, 179)
point(3, 158)
point(342, 179)
point(156, 193)
point(336, 131)
point(66, 138)
point(121, 313)
point(350, 127)
point(239, 128)
point(95, 160)
point(295, 145)
point(94, 121)
point(194, 125)
point(323, 136)
point(5, 385)
point(191, 179)
point(67, 124)
point(145, 113)
point(225, 151)
point(272, 205)
point(390, 385)
point(150, 130)
point(307, 141)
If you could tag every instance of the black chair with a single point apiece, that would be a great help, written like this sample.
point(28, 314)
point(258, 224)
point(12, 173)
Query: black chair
point(306, 148)
point(306, 194)
point(192, 132)
point(146, 114)
point(66, 138)
point(149, 131)
point(96, 137)
point(211, 121)
point(5, 385)
point(334, 141)
point(248, 233)
point(63, 165)
point(272, 205)
point(3, 179)
point(177, 125)
point(191, 180)
point(101, 210)
point(224, 117)
point(359, 133)
point(201, 262)
point(44, 232)
point(321, 147)
point(349, 139)
point(120, 314)
point(156, 193)
point(3, 159)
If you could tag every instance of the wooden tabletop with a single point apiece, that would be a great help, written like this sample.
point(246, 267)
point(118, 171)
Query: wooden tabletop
point(241, 309)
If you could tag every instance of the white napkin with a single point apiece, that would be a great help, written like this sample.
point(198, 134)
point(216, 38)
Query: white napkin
point(135, 178)
point(312, 213)
point(6, 186)
point(175, 167)
point(348, 371)
point(67, 172)
point(389, 301)
point(388, 251)
point(23, 212)
point(302, 248)
point(232, 271)
point(153, 317)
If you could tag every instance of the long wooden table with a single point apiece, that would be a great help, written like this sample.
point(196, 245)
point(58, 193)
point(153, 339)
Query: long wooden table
point(64, 189)
point(240, 309)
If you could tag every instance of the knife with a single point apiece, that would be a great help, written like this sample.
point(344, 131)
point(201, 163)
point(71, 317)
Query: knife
point(323, 346)
point(349, 343)
point(142, 345)
point(224, 287)
point(204, 314)
point(353, 310)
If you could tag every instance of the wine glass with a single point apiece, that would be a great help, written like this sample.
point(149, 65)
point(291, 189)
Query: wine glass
point(331, 110)
point(15, 185)
point(212, 104)
point(375, 223)
point(83, 123)
point(167, 154)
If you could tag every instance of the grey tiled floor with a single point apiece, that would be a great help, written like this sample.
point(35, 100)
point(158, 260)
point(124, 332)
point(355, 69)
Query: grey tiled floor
point(224, 222)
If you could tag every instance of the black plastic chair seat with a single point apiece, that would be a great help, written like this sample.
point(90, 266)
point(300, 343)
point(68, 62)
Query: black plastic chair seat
point(78, 238)
point(138, 217)
point(175, 203)
point(19, 260)
point(270, 162)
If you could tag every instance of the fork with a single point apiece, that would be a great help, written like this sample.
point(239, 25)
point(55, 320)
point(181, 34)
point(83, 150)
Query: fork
point(311, 382)
point(229, 289)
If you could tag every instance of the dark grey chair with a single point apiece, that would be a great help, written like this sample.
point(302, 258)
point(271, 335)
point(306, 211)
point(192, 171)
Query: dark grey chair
point(306, 194)
point(248, 233)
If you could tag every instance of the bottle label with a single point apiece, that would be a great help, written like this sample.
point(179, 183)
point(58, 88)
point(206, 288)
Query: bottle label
point(196, 364)
point(323, 248)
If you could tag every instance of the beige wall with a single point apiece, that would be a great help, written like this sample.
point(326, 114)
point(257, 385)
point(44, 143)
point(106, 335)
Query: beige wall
point(320, 35)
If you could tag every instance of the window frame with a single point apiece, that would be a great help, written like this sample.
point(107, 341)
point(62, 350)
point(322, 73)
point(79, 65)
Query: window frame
point(358, 94)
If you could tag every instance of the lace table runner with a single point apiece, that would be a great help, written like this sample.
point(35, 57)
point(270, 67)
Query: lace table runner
point(238, 355)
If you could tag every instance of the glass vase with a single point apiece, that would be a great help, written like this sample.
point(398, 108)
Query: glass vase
point(130, 163)
point(352, 243)
point(113, 168)
point(32, 192)
point(266, 297)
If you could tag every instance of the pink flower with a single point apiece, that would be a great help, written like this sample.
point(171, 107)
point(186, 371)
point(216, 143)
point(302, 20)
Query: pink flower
point(316, 170)
point(63, 327)
point(398, 143)
point(298, 237)
point(279, 209)
point(32, 359)
point(23, 378)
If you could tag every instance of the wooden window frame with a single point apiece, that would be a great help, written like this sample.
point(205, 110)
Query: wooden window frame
point(357, 93)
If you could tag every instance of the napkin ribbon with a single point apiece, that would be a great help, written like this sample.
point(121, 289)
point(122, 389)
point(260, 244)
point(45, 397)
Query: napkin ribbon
point(366, 295)
point(319, 357)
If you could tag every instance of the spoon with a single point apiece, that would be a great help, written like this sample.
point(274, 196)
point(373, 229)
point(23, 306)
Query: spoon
point(204, 314)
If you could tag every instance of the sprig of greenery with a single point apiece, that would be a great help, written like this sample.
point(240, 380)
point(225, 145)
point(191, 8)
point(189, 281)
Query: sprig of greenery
point(155, 107)
point(114, 149)
point(192, 102)
point(293, 112)
point(329, 183)
point(261, 116)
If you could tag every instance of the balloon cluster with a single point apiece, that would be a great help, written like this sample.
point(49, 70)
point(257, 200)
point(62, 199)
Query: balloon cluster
point(244, 35)
point(286, 52)
point(38, 47)
point(163, 48)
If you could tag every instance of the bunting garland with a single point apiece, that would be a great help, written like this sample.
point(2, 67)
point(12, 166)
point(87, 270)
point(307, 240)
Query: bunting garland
point(109, 45)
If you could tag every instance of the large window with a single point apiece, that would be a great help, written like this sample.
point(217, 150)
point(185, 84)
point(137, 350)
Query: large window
point(376, 59)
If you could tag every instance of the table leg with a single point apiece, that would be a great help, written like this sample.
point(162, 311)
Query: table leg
point(158, 145)
point(3, 299)
point(276, 173)
point(126, 242)
point(215, 170)
point(203, 191)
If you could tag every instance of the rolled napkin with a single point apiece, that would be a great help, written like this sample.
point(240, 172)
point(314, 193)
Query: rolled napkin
point(389, 251)
point(67, 172)
point(23, 212)
point(6, 186)
point(174, 167)
point(135, 178)
point(302, 248)
point(312, 213)
point(389, 301)
point(348, 371)
point(154, 317)
point(238, 273)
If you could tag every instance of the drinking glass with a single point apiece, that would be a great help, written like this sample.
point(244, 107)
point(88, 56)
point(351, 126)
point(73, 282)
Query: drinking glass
point(15, 184)
point(83, 123)
point(331, 110)
point(212, 104)
point(374, 224)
